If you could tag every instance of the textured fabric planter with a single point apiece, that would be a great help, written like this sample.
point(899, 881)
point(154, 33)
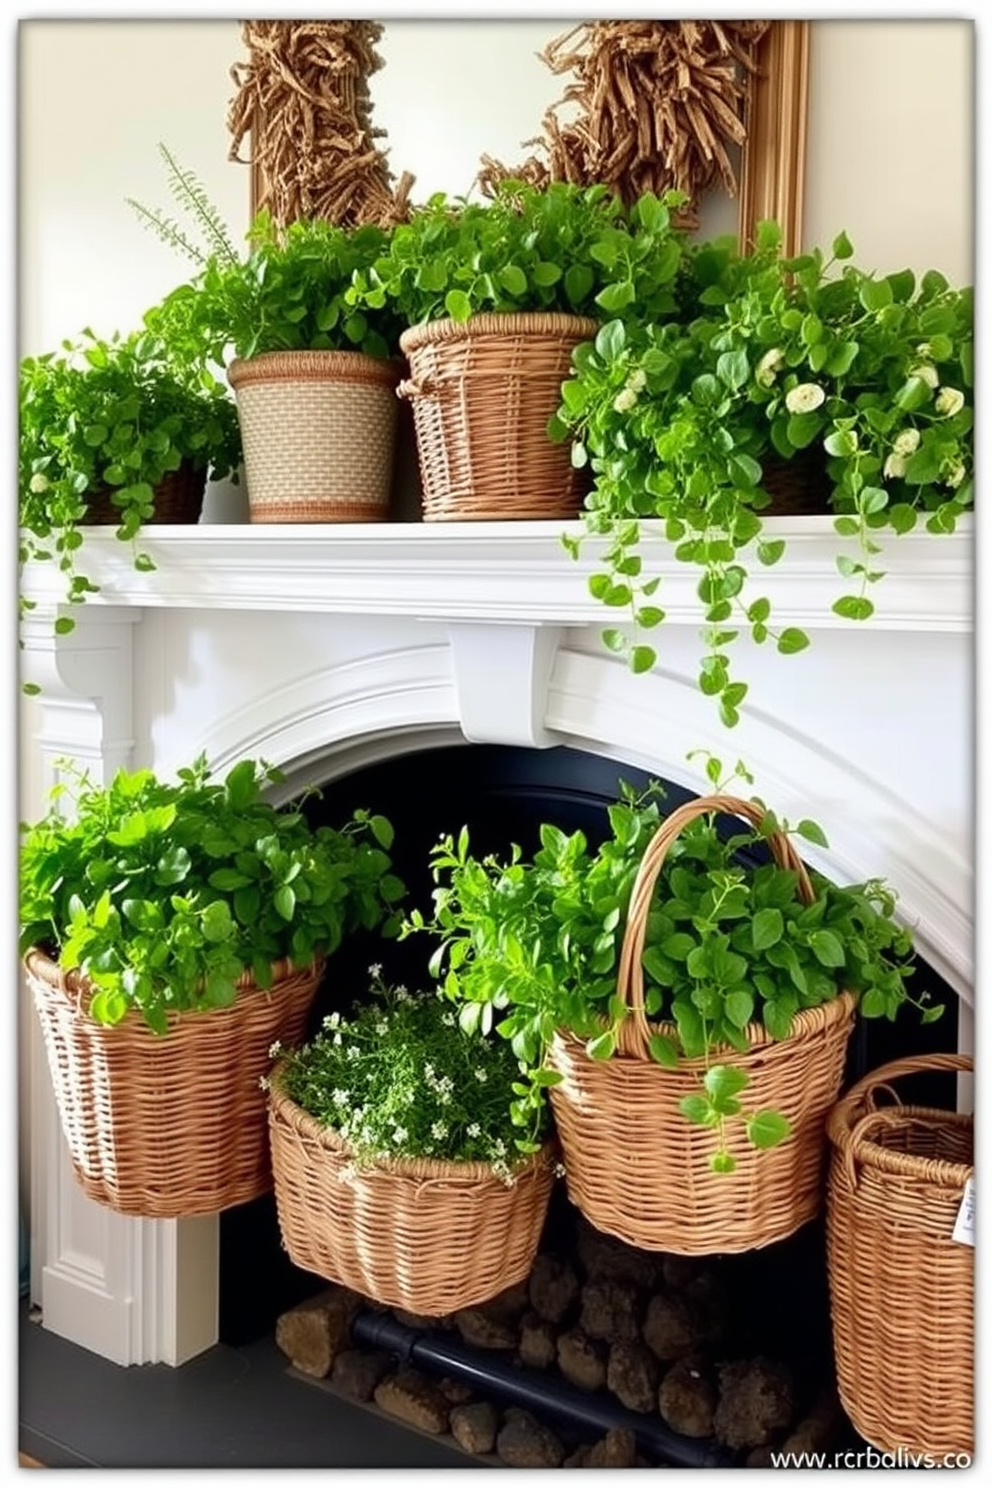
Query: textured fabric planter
point(482, 393)
point(640, 1170)
point(168, 1125)
point(424, 1235)
point(902, 1286)
point(318, 430)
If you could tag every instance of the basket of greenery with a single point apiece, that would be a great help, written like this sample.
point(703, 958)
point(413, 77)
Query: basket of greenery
point(314, 377)
point(115, 431)
point(858, 382)
point(398, 1169)
point(171, 933)
point(691, 1110)
point(496, 295)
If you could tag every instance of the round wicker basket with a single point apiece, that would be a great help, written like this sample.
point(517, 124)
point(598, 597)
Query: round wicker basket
point(427, 1236)
point(318, 430)
point(635, 1166)
point(178, 499)
point(171, 1125)
point(902, 1287)
point(482, 392)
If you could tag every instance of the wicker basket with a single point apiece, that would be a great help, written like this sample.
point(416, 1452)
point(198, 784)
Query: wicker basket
point(178, 498)
point(318, 430)
point(428, 1236)
point(901, 1288)
point(482, 392)
point(168, 1125)
point(635, 1166)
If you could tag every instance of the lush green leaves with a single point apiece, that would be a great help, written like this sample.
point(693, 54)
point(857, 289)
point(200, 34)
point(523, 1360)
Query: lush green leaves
point(164, 893)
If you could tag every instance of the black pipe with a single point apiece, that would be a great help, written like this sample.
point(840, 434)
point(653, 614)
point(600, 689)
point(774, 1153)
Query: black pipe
point(436, 1351)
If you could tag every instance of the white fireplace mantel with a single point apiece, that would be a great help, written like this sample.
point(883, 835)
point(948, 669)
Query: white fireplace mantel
point(324, 648)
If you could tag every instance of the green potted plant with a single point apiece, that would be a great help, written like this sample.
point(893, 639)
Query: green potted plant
point(171, 932)
point(114, 430)
point(495, 296)
point(398, 1170)
point(684, 994)
point(314, 376)
point(809, 364)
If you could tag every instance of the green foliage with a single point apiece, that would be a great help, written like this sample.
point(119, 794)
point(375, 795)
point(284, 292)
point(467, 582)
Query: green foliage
point(164, 893)
point(529, 947)
point(678, 419)
point(400, 1077)
point(119, 412)
point(574, 250)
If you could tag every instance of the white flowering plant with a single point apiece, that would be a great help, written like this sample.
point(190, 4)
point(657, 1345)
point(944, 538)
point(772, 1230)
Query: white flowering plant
point(399, 1076)
point(771, 360)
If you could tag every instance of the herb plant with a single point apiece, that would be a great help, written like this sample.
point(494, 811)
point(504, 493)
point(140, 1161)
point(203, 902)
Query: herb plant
point(164, 893)
point(529, 947)
point(769, 359)
point(118, 412)
point(566, 249)
point(398, 1076)
point(286, 293)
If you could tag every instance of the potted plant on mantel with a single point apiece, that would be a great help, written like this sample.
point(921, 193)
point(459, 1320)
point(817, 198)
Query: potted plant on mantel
point(314, 377)
point(397, 1166)
point(114, 431)
point(690, 1113)
point(495, 295)
point(808, 371)
point(172, 932)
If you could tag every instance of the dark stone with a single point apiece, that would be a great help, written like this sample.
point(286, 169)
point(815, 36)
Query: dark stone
point(315, 1331)
point(610, 1310)
point(484, 1328)
point(605, 1256)
point(553, 1287)
point(474, 1427)
point(356, 1372)
point(670, 1328)
point(757, 1400)
point(687, 1399)
point(538, 1347)
point(633, 1374)
point(582, 1360)
point(411, 1397)
point(618, 1448)
point(523, 1441)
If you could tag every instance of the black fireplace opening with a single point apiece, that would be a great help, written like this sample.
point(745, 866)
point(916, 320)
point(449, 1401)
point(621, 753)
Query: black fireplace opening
point(502, 794)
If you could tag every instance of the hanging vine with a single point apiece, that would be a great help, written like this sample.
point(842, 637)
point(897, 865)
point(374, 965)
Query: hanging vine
point(656, 105)
point(303, 98)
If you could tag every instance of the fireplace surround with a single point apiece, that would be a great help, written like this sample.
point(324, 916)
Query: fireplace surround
point(330, 650)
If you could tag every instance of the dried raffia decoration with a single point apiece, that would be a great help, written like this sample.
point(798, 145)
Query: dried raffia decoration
point(655, 106)
point(303, 97)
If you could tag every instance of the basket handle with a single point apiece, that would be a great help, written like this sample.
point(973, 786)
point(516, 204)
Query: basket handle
point(863, 1093)
point(410, 388)
point(635, 1031)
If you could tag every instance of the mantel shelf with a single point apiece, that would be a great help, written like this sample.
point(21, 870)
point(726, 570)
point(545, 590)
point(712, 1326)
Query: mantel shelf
point(510, 572)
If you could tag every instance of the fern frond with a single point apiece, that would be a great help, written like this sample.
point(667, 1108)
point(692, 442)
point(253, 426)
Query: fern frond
point(191, 195)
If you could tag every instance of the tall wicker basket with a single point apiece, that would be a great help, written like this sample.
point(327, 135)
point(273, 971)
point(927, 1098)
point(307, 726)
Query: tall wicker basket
point(635, 1166)
point(482, 392)
point(428, 1236)
point(318, 430)
point(168, 1125)
point(901, 1284)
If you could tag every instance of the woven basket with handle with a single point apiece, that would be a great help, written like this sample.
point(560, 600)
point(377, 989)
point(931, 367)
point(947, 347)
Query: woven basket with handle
point(318, 430)
point(425, 1235)
point(482, 392)
point(168, 1125)
point(901, 1285)
point(634, 1165)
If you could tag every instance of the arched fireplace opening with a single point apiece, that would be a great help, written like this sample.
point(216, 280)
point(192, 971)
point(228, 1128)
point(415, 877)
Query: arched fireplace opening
point(502, 794)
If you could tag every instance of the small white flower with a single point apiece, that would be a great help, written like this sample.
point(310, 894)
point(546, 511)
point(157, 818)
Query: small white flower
point(275, 1050)
point(39, 483)
point(439, 1130)
point(949, 401)
point(474, 1129)
point(895, 465)
point(955, 475)
point(263, 1081)
point(624, 400)
point(906, 442)
point(336, 1040)
point(449, 1020)
point(804, 397)
point(382, 1027)
point(559, 1170)
point(767, 369)
point(428, 1072)
point(481, 1075)
point(926, 373)
point(339, 1097)
point(375, 971)
point(399, 1134)
point(637, 381)
point(352, 1051)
